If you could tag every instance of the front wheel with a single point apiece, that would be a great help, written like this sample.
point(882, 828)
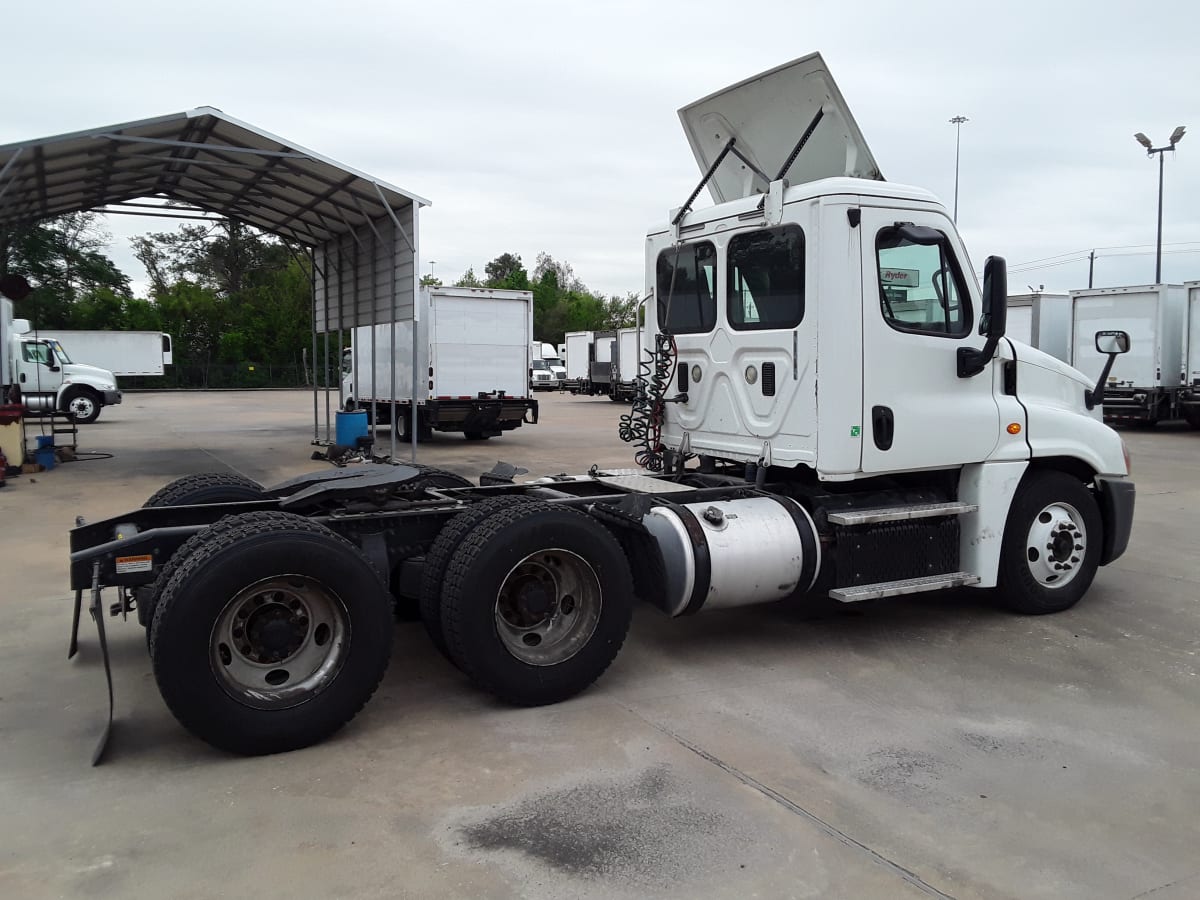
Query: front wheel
point(84, 405)
point(1052, 544)
point(271, 634)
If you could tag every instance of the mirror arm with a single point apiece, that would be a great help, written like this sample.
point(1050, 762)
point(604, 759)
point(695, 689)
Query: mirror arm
point(1093, 397)
point(971, 361)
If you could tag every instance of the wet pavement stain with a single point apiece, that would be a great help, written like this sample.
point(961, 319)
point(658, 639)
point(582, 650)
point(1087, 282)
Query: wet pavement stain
point(648, 829)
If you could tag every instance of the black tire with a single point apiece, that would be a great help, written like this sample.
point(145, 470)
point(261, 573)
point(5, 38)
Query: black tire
point(438, 478)
point(1041, 494)
point(225, 564)
point(203, 487)
point(437, 562)
point(492, 557)
point(1191, 415)
point(476, 435)
point(84, 404)
point(206, 487)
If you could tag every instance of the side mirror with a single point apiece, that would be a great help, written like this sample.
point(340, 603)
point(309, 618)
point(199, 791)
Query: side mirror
point(1112, 342)
point(51, 360)
point(992, 320)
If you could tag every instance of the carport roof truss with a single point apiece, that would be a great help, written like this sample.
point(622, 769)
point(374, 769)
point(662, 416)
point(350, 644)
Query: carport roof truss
point(205, 159)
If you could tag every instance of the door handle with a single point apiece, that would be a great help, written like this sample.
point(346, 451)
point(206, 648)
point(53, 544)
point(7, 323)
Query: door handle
point(883, 426)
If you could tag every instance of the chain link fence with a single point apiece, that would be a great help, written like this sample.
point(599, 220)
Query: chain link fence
point(232, 377)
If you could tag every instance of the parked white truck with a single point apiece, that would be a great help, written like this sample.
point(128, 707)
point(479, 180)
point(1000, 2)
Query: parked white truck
point(932, 453)
point(124, 353)
point(1189, 400)
point(1145, 385)
point(1042, 320)
point(546, 370)
point(473, 350)
point(39, 373)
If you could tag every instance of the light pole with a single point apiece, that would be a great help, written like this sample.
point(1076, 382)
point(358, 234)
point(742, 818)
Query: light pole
point(957, 122)
point(1175, 138)
point(432, 263)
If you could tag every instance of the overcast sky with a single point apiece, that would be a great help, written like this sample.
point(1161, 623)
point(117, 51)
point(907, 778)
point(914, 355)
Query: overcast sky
point(552, 126)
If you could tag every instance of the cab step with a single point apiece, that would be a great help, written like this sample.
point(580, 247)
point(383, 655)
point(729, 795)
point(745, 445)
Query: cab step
point(900, 513)
point(906, 586)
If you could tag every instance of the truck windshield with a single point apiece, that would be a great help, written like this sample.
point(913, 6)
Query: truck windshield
point(60, 352)
point(538, 364)
point(554, 361)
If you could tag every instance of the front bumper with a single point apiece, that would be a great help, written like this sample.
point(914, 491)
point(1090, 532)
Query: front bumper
point(111, 398)
point(1116, 496)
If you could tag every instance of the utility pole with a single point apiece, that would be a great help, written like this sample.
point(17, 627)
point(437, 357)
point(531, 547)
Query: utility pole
point(957, 122)
point(1151, 151)
point(1091, 267)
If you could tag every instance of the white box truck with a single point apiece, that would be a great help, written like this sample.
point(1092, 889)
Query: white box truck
point(124, 353)
point(473, 353)
point(1189, 400)
point(39, 373)
point(924, 456)
point(1042, 320)
point(578, 357)
point(1145, 383)
point(626, 355)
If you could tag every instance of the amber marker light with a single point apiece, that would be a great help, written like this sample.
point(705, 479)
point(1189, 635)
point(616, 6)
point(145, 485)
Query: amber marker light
point(1014, 427)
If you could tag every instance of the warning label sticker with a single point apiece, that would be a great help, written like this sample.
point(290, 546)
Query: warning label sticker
point(127, 565)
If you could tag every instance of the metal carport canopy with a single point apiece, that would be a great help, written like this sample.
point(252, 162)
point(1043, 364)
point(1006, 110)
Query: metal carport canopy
point(363, 232)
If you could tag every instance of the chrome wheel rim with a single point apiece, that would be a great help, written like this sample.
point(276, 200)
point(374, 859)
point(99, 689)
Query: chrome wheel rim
point(1056, 545)
point(82, 407)
point(279, 642)
point(548, 607)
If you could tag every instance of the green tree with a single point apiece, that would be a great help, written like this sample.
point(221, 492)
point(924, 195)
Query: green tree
point(506, 272)
point(469, 279)
point(63, 259)
point(431, 281)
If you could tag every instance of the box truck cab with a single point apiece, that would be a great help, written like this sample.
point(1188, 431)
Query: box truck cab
point(47, 378)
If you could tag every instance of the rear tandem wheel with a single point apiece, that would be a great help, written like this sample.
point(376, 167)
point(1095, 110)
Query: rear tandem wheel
point(536, 603)
point(271, 634)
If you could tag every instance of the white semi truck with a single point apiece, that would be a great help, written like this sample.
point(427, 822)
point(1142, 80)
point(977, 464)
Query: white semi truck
point(553, 361)
point(473, 356)
point(124, 353)
point(37, 372)
point(873, 437)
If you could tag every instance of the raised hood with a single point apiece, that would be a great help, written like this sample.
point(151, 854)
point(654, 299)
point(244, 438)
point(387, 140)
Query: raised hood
point(768, 114)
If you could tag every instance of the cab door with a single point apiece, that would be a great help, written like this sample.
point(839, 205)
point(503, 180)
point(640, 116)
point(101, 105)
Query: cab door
point(920, 306)
point(39, 370)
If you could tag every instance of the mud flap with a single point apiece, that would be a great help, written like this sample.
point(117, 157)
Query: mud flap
point(96, 609)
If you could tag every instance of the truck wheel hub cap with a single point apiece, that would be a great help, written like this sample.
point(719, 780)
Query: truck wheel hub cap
point(279, 641)
point(547, 607)
point(1056, 545)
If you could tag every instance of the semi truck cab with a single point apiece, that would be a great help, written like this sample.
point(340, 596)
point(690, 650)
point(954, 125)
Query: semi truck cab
point(824, 326)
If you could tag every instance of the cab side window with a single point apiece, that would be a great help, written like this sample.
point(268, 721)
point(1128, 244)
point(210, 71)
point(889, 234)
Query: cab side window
point(35, 352)
point(766, 279)
point(687, 288)
point(921, 289)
